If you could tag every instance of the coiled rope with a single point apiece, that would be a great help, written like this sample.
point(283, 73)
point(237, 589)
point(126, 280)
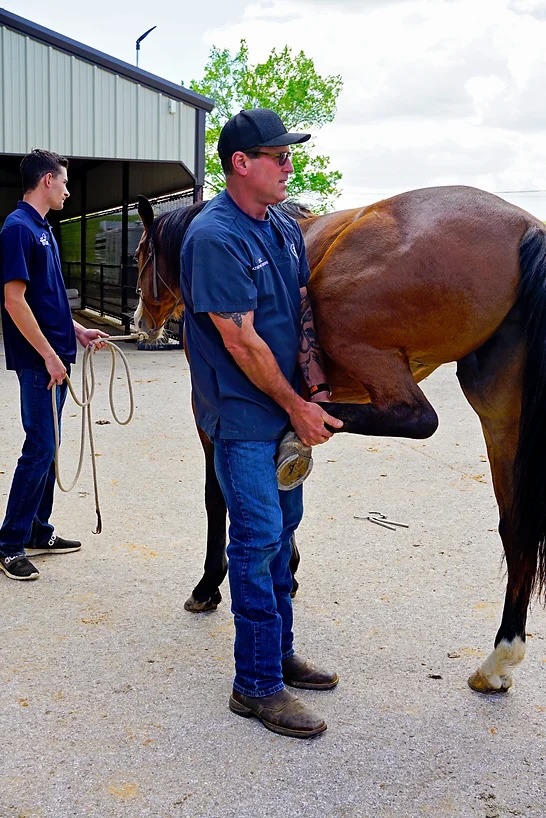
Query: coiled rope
point(88, 390)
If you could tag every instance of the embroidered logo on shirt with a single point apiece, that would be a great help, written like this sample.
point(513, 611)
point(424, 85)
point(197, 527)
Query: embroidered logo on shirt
point(43, 240)
point(294, 251)
point(260, 263)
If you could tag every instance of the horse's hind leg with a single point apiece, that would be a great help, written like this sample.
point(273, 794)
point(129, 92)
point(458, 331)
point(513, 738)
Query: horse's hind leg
point(491, 381)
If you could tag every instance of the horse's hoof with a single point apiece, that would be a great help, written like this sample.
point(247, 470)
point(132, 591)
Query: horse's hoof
point(194, 605)
point(481, 684)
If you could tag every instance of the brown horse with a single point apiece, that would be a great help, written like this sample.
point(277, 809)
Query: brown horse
point(399, 288)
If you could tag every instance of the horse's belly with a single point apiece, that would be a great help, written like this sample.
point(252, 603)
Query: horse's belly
point(421, 370)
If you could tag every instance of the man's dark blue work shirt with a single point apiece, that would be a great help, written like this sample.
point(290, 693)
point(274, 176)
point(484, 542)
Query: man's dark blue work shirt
point(28, 252)
point(230, 263)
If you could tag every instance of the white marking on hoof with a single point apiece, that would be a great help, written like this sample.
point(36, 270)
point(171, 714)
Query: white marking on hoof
point(137, 314)
point(495, 675)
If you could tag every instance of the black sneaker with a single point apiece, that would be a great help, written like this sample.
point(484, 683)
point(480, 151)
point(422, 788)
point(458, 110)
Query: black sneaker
point(55, 545)
point(18, 567)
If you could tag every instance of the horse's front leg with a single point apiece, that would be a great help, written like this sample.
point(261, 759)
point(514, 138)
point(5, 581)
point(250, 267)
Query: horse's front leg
point(294, 563)
point(206, 594)
point(397, 407)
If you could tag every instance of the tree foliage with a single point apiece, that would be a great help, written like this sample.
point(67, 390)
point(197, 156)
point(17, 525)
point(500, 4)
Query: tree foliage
point(288, 84)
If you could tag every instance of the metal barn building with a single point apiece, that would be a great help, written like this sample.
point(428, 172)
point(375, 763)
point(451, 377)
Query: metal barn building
point(124, 131)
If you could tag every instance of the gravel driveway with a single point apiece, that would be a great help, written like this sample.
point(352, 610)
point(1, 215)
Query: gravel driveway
point(114, 700)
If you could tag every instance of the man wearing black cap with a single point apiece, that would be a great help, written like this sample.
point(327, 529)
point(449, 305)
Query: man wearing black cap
point(250, 335)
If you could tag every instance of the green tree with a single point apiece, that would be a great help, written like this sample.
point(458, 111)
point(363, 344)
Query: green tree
point(290, 85)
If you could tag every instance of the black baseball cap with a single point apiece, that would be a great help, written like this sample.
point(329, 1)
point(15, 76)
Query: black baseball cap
point(255, 128)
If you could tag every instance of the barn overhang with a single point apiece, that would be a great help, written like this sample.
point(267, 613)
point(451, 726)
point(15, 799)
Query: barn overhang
point(97, 185)
point(125, 131)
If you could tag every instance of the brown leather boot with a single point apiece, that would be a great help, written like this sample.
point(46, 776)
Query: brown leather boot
point(296, 672)
point(281, 712)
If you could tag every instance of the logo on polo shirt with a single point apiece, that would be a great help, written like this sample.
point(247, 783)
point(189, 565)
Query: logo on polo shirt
point(260, 263)
point(294, 251)
point(43, 240)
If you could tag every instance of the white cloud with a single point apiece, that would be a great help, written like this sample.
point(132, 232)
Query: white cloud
point(536, 8)
point(435, 91)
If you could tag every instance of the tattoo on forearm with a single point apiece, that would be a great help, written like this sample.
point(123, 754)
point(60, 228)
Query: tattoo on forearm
point(236, 317)
point(309, 348)
point(313, 357)
point(308, 340)
point(308, 336)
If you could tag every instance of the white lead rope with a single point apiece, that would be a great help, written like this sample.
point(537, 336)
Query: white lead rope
point(88, 390)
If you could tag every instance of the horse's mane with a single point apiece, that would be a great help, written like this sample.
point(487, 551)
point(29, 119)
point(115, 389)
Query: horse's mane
point(170, 228)
point(297, 210)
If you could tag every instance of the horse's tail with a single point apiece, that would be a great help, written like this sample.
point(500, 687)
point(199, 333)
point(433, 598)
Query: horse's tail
point(529, 504)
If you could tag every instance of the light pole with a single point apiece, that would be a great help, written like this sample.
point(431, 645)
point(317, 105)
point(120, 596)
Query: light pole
point(142, 36)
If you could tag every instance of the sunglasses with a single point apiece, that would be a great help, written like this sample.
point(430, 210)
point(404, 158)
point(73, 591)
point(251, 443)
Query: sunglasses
point(282, 158)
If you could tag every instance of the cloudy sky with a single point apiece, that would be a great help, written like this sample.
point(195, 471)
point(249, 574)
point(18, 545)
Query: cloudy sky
point(435, 91)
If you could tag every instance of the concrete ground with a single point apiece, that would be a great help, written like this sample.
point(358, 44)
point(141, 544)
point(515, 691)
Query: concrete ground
point(113, 700)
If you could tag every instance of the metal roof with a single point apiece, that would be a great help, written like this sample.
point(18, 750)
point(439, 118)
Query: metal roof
point(91, 55)
point(102, 113)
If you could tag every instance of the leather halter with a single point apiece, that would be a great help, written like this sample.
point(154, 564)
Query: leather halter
point(156, 277)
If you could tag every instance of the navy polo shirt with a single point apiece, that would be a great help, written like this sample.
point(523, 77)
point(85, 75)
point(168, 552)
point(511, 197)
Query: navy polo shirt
point(29, 252)
point(231, 262)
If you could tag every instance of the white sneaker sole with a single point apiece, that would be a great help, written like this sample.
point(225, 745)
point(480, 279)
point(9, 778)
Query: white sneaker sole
point(34, 552)
point(6, 571)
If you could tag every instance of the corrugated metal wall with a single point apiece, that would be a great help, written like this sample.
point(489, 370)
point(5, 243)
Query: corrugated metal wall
point(62, 103)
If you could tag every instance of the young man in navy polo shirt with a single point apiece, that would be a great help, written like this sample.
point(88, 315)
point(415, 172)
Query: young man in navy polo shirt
point(250, 335)
point(40, 345)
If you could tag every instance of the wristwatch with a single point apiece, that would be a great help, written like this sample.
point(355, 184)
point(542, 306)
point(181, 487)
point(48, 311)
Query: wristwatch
point(319, 387)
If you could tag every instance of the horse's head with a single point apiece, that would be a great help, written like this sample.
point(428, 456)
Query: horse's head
point(158, 282)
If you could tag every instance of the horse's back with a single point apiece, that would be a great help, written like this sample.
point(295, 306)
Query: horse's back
point(432, 272)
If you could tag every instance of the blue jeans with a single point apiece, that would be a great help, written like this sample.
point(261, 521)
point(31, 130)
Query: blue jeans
point(30, 498)
point(262, 521)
